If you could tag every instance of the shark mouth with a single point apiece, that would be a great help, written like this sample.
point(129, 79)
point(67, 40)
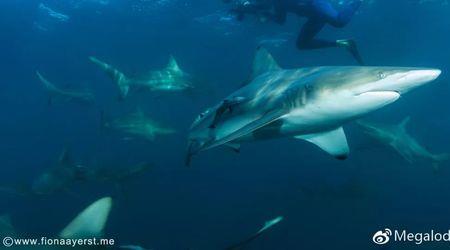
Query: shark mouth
point(380, 92)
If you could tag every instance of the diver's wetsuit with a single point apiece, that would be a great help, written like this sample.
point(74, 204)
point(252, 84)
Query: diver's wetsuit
point(319, 13)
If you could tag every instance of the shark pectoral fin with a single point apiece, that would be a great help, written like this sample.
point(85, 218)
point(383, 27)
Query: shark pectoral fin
point(90, 222)
point(333, 142)
point(263, 63)
point(265, 119)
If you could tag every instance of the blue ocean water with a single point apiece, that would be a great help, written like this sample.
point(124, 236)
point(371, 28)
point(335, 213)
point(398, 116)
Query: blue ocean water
point(223, 197)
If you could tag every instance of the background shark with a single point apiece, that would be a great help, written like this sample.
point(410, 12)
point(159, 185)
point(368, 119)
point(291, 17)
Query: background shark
point(59, 178)
point(65, 174)
point(65, 95)
point(311, 104)
point(397, 137)
point(138, 124)
point(169, 79)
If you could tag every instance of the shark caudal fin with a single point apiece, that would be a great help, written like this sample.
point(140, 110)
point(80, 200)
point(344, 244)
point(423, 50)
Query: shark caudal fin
point(49, 87)
point(119, 78)
point(90, 222)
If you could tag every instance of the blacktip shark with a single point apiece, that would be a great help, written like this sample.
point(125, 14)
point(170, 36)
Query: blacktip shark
point(311, 104)
point(88, 224)
point(397, 137)
point(266, 226)
point(169, 79)
point(65, 95)
point(138, 124)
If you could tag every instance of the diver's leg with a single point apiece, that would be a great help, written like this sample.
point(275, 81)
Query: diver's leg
point(307, 40)
point(324, 11)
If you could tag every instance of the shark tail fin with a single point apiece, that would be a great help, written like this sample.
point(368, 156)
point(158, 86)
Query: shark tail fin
point(90, 222)
point(119, 78)
point(48, 86)
point(44, 81)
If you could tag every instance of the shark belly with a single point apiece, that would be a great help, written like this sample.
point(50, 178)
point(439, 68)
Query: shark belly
point(324, 115)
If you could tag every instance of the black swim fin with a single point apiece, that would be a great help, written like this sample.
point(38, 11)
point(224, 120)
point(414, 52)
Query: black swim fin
point(351, 46)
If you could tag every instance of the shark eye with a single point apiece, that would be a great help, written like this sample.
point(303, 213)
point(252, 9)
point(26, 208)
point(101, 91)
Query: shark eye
point(381, 75)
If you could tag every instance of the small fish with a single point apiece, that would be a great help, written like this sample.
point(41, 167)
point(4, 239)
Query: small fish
point(267, 225)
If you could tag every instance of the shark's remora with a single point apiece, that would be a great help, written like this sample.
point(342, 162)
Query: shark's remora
point(308, 103)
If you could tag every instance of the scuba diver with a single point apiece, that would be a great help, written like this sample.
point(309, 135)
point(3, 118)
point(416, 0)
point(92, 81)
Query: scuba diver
point(318, 12)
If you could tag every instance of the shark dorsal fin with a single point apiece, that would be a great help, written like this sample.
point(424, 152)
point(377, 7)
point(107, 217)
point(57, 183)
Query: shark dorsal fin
point(64, 158)
point(404, 122)
point(90, 222)
point(173, 65)
point(263, 62)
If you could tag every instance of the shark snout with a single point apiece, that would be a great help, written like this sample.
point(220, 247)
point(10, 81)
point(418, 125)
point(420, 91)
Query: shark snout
point(423, 75)
point(415, 78)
